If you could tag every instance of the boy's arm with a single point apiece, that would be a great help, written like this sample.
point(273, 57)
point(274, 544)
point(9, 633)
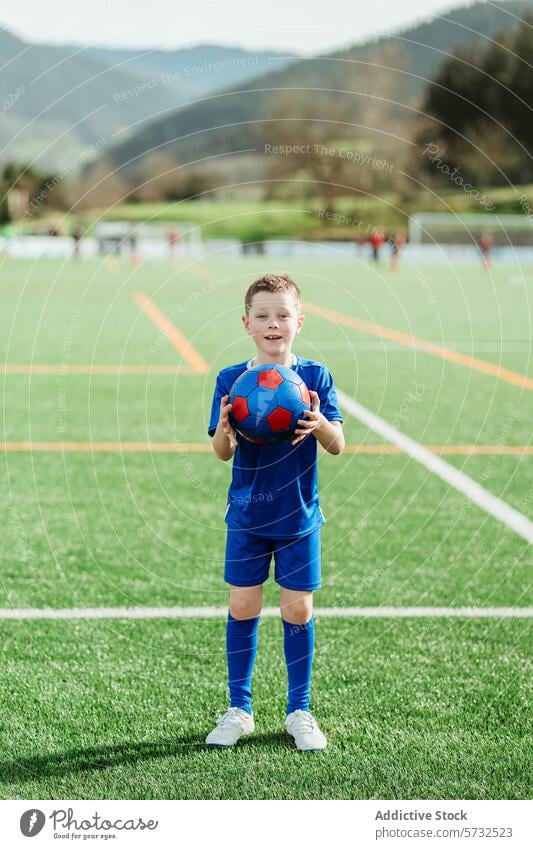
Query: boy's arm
point(329, 433)
point(224, 438)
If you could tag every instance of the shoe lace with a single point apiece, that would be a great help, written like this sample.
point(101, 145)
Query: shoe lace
point(306, 719)
point(231, 717)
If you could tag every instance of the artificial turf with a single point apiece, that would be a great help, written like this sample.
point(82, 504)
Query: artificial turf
point(413, 708)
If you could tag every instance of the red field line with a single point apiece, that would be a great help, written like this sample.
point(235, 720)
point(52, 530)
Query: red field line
point(205, 447)
point(175, 336)
point(65, 368)
point(421, 345)
point(388, 448)
point(165, 447)
point(513, 450)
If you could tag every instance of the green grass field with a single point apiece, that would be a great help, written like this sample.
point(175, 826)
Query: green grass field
point(413, 707)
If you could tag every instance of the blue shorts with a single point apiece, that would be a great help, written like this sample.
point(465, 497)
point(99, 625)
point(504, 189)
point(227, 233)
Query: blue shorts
point(297, 560)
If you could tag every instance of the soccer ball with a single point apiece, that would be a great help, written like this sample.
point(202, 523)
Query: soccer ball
point(267, 402)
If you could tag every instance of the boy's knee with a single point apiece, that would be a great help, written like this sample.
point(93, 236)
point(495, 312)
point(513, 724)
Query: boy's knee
point(298, 612)
point(242, 607)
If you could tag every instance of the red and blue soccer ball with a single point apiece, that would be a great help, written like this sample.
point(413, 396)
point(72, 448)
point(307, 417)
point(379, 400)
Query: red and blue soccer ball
point(267, 402)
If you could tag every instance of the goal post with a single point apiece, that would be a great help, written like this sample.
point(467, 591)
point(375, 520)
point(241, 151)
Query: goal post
point(152, 239)
point(450, 228)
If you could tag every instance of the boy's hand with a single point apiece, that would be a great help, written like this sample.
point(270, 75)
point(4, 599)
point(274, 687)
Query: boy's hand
point(224, 422)
point(307, 426)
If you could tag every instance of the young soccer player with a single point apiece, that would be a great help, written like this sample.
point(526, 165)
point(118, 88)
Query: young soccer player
point(273, 509)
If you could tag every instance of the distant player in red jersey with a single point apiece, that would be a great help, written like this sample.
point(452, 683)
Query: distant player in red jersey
point(485, 247)
point(377, 240)
point(173, 239)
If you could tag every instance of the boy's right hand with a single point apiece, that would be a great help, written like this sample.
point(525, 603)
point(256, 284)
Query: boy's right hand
point(224, 422)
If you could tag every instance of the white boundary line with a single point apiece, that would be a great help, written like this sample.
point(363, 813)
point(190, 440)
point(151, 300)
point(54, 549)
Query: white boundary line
point(461, 482)
point(222, 612)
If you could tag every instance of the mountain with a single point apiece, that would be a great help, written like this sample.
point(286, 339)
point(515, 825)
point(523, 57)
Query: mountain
point(370, 91)
point(59, 105)
point(195, 70)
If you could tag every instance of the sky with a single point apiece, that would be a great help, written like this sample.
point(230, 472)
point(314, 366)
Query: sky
point(303, 27)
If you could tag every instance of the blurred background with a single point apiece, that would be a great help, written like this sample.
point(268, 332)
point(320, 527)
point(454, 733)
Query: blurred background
point(353, 126)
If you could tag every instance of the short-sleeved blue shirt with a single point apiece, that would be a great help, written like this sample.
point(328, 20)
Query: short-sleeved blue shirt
point(274, 488)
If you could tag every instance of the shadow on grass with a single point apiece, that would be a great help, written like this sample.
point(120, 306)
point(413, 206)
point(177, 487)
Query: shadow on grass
point(103, 757)
point(279, 739)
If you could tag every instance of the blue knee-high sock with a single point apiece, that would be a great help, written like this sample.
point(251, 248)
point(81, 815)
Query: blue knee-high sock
point(241, 648)
point(299, 645)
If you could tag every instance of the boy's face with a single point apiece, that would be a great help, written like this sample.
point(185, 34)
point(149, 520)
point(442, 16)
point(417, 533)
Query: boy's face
point(273, 322)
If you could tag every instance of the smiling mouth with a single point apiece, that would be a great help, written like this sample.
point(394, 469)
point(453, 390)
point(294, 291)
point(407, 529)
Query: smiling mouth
point(273, 338)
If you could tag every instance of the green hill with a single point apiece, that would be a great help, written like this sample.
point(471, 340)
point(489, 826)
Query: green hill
point(370, 92)
point(58, 103)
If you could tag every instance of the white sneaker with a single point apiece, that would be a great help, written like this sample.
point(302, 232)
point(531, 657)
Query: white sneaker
point(232, 725)
point(304, 728)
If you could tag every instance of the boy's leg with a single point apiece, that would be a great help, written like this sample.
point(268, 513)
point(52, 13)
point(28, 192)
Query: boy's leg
point(241, 643)
point(298, 574)
point(299, 643)
point(246, 568)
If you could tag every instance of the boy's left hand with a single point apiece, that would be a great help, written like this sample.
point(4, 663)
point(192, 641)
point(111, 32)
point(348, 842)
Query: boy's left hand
point(307, 426)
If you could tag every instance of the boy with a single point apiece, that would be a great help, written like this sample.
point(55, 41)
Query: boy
point(273, 508)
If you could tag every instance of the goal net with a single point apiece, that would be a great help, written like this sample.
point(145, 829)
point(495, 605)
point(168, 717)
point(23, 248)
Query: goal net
point(449, 228)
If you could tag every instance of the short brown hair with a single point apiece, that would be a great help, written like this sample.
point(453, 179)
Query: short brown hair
point(272, 282)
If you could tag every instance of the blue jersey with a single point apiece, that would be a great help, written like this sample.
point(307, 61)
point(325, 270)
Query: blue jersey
point(274, 488)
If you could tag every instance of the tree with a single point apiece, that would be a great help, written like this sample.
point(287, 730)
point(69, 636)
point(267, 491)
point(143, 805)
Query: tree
point(480, 109)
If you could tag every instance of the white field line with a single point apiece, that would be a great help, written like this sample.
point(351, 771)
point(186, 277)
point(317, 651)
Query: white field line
point(222, 612)
point(461, 482)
